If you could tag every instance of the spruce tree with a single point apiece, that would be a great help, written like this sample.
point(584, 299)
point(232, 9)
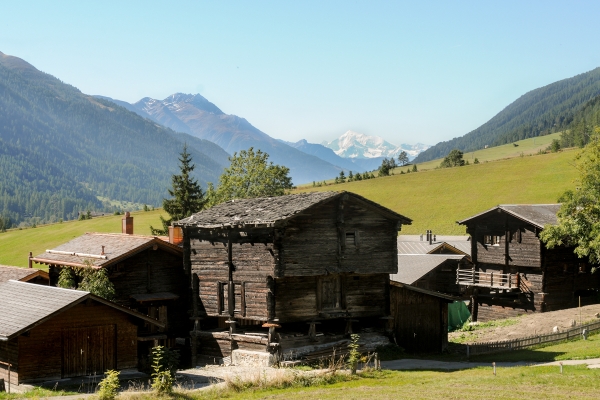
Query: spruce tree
point(187, 195)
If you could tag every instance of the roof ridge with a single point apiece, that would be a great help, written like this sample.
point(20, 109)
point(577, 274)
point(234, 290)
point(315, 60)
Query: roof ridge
point(49, 287)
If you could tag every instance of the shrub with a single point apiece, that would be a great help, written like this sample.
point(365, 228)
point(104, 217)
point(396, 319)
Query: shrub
point(354, 354)
point(164, 365)
point(109, 386)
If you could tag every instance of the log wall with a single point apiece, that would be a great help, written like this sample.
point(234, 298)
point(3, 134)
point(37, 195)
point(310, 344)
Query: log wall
point(46, 339)
point(420, 320)
point(301, 298)
point(9, 353)
point(339, 236)
point(253, 266)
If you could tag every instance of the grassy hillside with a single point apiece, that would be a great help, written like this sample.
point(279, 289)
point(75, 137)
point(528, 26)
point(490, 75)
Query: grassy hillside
point(435, 199)
point(525, 147)
point(16, 244)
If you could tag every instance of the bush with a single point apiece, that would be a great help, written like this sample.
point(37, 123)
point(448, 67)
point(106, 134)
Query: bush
point(164, 365)
point(109, 386)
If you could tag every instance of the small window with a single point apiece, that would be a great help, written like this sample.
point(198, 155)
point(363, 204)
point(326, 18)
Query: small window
point(491, 240)
point(350, 239)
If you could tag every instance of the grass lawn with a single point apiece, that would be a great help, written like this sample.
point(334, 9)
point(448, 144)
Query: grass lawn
point(576, 382)
point(16, 244)
point(436, 199)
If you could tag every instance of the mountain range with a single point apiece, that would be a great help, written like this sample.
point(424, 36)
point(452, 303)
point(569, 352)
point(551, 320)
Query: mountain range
point(196, 116)
point(61, 150)
point(357, 145)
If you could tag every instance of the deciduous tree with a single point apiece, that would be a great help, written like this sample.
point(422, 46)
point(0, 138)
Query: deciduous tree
point(250, 174)
point(579, 215)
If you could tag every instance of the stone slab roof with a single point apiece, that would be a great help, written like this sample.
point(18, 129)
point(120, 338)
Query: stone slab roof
point(25, 305)
point(413, 267)
point(537, 215)
point(19, 274)
point(267, 211)
point(88, 247)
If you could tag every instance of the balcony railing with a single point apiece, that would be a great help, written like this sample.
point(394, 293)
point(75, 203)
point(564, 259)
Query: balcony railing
point(494, 280)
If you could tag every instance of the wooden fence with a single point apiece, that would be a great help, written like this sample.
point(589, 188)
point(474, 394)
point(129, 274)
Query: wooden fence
point(521, 343)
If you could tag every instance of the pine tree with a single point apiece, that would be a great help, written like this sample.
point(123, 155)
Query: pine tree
point(187, 194)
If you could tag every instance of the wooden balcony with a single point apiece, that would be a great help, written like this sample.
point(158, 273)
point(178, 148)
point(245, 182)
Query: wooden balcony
point(492, 280)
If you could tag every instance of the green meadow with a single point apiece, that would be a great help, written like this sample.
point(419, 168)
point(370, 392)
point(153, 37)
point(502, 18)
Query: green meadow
point(16, 244)
point(522, 147)
point(437, 198)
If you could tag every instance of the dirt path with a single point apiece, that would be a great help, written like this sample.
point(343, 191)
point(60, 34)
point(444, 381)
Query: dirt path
point(528, 325)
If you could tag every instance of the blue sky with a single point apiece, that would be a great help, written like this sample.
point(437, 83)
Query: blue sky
point(407, 71)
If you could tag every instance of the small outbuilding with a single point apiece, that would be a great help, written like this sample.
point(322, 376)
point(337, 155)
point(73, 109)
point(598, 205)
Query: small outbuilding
point(49, 333)
point(30, 275)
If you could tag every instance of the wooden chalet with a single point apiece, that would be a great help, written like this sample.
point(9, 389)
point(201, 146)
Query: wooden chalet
point(49, 333)
point(514, 272)
point(147, 274)
point(315, 266)
point(30, 275)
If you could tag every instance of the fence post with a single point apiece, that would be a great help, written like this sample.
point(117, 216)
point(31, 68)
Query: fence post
point(468, 352)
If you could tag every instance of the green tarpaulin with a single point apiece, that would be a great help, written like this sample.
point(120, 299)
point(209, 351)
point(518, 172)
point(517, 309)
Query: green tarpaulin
point(458, 314)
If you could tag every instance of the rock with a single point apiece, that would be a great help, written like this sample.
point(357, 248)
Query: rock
point(597, 315)
point(573, 322)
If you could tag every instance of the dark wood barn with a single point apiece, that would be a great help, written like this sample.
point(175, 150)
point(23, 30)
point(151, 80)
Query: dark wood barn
point(29, 275)
point(147, 273)
point(514, 272)
point(49, 333)
point(420, 321)
point(315, 266)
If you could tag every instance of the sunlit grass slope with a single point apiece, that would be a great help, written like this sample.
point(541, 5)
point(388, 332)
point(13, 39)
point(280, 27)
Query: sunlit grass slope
point(524, 147)
point(435, 199)
point(16, 244)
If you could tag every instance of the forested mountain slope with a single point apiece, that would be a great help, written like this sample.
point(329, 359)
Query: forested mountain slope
point(60, 148)
point(545, 110)
point(197, 116)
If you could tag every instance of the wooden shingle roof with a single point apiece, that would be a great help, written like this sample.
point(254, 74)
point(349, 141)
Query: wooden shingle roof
point(268, 211)
point(88, 248)
point(25, 306)
point(20, 274)
point(537, 215)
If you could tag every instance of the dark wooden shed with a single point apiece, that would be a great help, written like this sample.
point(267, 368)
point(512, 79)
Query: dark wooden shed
point(313, 264)
point(420, 323)
point(514, 272)
point(146, 271)
point(49, 333)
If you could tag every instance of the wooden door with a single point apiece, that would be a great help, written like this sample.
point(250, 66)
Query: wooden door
point(88, 350)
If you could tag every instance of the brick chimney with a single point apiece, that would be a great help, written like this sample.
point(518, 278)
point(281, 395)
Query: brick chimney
point(127, 226)
point(175, 235)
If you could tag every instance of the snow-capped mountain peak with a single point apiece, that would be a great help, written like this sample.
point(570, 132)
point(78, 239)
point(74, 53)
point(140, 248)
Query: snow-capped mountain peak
point(357, 145)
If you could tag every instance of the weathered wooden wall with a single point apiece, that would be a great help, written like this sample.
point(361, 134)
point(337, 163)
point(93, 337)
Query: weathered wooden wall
point(253, 265)
point(420, 320)
point(339, 236)
point(300, 298)
point(9, 353)
point(519, 244)
point(41, 351)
